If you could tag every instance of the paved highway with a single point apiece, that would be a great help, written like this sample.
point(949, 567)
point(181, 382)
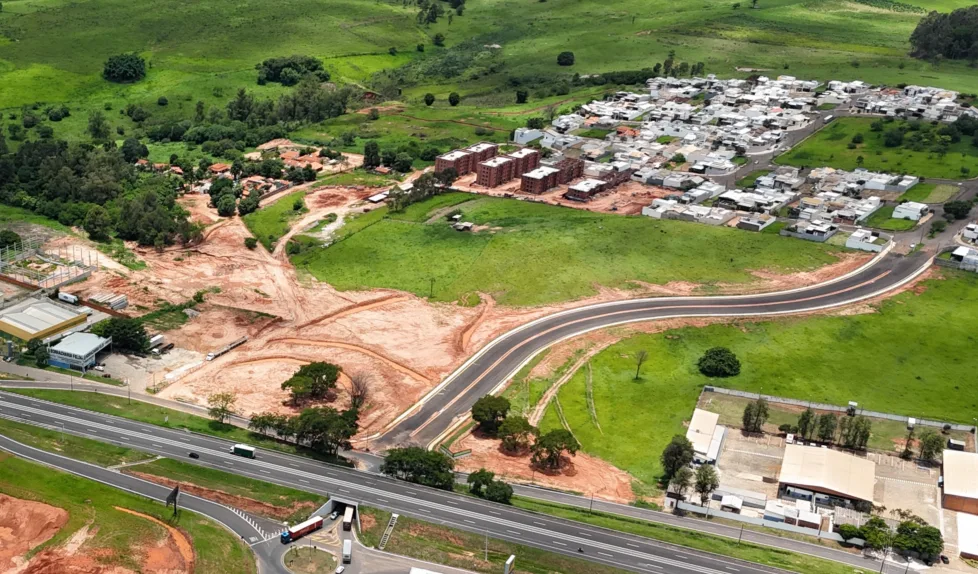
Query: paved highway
point(599, 545)
point(266, 551)
point(449, 403)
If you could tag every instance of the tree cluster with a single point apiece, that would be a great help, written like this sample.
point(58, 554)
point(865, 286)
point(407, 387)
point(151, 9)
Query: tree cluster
point(518, 435)
point(128, 335)
point(289, 70)
point(323, 429)
point(124, 68)
point(953, 36)
point(420, 466)
point(314, 381)
point(755, 415)
point(426, 186)
point(912, 535)
point(483, 484)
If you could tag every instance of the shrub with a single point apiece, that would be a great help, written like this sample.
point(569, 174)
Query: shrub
point(565, 59)
point(124, 68)
point(454, 99)
point(719, 362)
point(162, 101)
point(251, 242)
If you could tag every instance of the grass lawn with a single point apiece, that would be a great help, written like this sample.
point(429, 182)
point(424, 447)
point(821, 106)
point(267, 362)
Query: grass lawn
point(930, 193)
point(919, 346)
point(358, 177)
point(461, 549)
point(295, 504)
point(309, 560)
point(533, 253)
point(11, 217)
point(726, 547)
point(883, 219)
point(152, 414)
point(270, 223)
point(595, 133)
point(829, 146)
point(116, 534)
point(750, 179)
point(88, 450)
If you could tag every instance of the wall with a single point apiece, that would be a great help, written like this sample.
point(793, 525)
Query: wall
point(696, 509)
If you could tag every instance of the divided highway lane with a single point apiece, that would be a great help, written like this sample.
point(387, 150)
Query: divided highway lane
point(269, 560)
point(466, 513)
point(502, 358)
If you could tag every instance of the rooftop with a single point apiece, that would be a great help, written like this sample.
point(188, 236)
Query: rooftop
point(701, 428)
point(34, 316)
point(454, 155)
point(497, 161)
point(828, 471)
point(80, 344)
point(541, 172)
point(961, 473)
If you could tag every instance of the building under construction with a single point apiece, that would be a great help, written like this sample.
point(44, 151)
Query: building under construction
point(25, 265)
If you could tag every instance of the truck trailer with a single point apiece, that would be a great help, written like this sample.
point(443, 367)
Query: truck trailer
point(299, 530)
point(213, 355)
point(347, 551)
point(348, 518)
point(243, 450)
point(68, 298)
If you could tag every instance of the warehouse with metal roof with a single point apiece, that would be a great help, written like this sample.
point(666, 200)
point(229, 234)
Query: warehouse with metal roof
point(807, 471)
point(77, 351)
point(37, 319)
point(960, 481)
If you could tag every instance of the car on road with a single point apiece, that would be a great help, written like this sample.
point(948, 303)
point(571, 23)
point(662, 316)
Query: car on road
point(193, 455)
point(99, 368)
point(334, 515)
point(340, 570)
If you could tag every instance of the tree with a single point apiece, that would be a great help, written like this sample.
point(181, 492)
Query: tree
point(429, 99)
point(133, 149)
point(98, 127)
point(855, 432)
point(806, 423)
point(516, 433)
point(226, 205)
point(677, 454)
point(250, 203)
point(325, 429)
point(220, 406)
point(128, 335)
point(858, 138)
point(706, 482)
point(876, 533)
point(719, 362)
point(522, 96)
point(402, 162)
point(371, 155)
point(420, 466)
point(8, 238)
point(124, 68)
point(439, 39)
point(549, 448)
point(454, 99)
point(499, 491)
point(97, 223)
point(489, 411)
point(893, 138)
point(565, 59)
point(41, 357)
point(954, 210)
point(314, 380)
point(755, 415)
point(480, 479)
point(951, 35)
point(359, 389)
point(848, 531)
point(251, 242)
point(261, 423)
point(931, 444)
point(826, 427)
point(682, 481)
point(639, 359)
point(534, 123)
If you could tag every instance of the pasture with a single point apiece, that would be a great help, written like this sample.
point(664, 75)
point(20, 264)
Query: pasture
point(271, 222)
point(919, 344)
point(529, 254)
point(831, 146)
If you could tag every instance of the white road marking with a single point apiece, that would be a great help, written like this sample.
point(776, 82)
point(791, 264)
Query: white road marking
point(560, 543)
point(538, 523)
point(494, 512)
point(469, 521)
point(293, 465)
point(512, 532)
point(632, 545)
point(604, 554)
point(452, 502)
point(263, 470)
point(584, 534)
point(425, 510)
point(304, 481)
point(732, 568)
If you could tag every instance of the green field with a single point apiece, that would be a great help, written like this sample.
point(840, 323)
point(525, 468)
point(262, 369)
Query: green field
point(80, 448)
point(830, 146)
point(270, 223)
point(930, 193)
point(883, 219)
point(532, 253)
point(920, 359)
point(115, 534)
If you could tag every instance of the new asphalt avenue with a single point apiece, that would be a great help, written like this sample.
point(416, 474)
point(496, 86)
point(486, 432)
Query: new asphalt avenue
point(449, 403)
point(466, 513)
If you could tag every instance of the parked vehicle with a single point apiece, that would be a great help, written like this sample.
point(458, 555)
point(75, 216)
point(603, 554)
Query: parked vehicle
point(68, 298)
point(243, 450)
point(99, 368)
point(301, 529)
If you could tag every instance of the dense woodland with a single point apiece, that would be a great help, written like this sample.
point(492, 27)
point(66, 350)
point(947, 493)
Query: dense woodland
point(953, 36)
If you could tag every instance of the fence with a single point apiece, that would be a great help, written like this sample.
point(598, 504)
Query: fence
point(54, 270)
point(696, 509)
point(835, 408)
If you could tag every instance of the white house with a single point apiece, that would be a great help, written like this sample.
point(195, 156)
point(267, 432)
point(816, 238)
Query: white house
point(866, 240)
point(910, 210)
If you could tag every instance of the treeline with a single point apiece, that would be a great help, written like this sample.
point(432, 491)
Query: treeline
point(93, 187)
point(953, 36)
point(290, 70)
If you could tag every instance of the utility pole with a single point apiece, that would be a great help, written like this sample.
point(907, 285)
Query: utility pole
point(129, 391)
point(591, 505)
point(487, 545)
point(431, 288)
point(741, 537)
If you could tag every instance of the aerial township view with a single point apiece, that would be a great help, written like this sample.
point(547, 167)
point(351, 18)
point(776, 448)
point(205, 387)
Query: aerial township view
point(392, 286)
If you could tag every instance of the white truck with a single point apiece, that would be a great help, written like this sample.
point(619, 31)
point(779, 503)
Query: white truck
point(155, 342)
point(68, 298)
point(347, 551)
point(213, 355)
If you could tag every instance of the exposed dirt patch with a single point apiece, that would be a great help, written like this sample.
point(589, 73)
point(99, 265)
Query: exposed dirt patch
point(174, 554)
point(24, 525)
point(367, 521)
point(241, 502)
point(582, 473)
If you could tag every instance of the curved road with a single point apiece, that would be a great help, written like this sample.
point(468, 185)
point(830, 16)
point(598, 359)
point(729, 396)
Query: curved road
point(447, 405)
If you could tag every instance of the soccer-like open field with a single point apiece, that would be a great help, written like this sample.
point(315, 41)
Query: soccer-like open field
point(913, 357)
point(528, 253)
point(830, 146)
